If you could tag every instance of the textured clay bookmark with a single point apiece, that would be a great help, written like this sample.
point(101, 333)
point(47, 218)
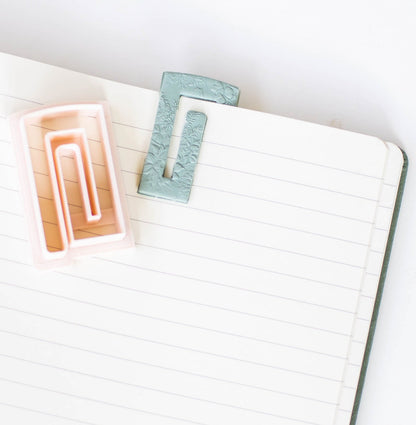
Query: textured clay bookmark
point(174, 85)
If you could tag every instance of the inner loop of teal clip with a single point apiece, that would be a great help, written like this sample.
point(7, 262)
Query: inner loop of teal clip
point(174, 85)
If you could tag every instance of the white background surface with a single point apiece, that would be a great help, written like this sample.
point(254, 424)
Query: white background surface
point(351, 64)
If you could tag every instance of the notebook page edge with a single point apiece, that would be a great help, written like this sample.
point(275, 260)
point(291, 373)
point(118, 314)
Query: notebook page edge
point(383, 276)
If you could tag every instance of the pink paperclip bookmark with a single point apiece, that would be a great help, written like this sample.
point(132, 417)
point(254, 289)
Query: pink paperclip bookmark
point(70, 182)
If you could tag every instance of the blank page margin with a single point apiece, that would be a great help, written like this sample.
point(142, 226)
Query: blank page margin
point(371, 292)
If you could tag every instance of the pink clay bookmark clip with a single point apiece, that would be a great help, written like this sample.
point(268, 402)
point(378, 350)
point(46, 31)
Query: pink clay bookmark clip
point(70, 182)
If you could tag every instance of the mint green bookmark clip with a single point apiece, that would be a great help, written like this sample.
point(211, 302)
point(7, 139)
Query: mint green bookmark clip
point(174, 85)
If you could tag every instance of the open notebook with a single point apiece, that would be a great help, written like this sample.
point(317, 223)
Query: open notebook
point(251, 304)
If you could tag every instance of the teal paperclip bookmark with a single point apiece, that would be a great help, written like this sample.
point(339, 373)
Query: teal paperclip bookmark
point(174, 85)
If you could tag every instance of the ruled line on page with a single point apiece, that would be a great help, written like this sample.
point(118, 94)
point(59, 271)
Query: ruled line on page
point(188, 207)
point(41, 412)
point(371, 297)
point(351, 218)
point(11, 213)
point(17, 238)
point(386, 207)
point(257, 152)
point(244, 196)
point(203, 281)
point(376, 251)
point(214, 189)
point(290, 346)
point(225, 168)
point(214, 235)
point(354, 364)
point(182, 300)
point(215, 260)
point(150, 199)
point(206, 258)
point(263, 153)
point(153, 365)
point(21, 98)
point(172, 322)
point(222, 356)
point(282, 203)
point(248, 243)
point(165, 226)
point(142, 411)
point(11, 189)
point(46, 326)
point(94, 400)
point(181, 276)
point(231, 170)
point(228, 146)
point(346, 217)
point(169, 393)
point(242, 265)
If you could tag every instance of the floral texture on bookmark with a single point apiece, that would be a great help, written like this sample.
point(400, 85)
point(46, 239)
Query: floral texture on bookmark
point(174, 85)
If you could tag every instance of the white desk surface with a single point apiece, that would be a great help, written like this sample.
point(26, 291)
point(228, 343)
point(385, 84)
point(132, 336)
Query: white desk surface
point(350, 64)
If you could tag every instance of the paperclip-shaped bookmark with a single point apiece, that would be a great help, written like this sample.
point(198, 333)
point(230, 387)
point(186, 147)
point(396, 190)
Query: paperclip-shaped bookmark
point(70, 182)
point(174, 85)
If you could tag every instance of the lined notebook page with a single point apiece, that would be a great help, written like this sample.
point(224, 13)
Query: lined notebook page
point(248, 305)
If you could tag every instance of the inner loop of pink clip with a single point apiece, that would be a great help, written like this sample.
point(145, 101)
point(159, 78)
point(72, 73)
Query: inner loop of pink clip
point(72, 142)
